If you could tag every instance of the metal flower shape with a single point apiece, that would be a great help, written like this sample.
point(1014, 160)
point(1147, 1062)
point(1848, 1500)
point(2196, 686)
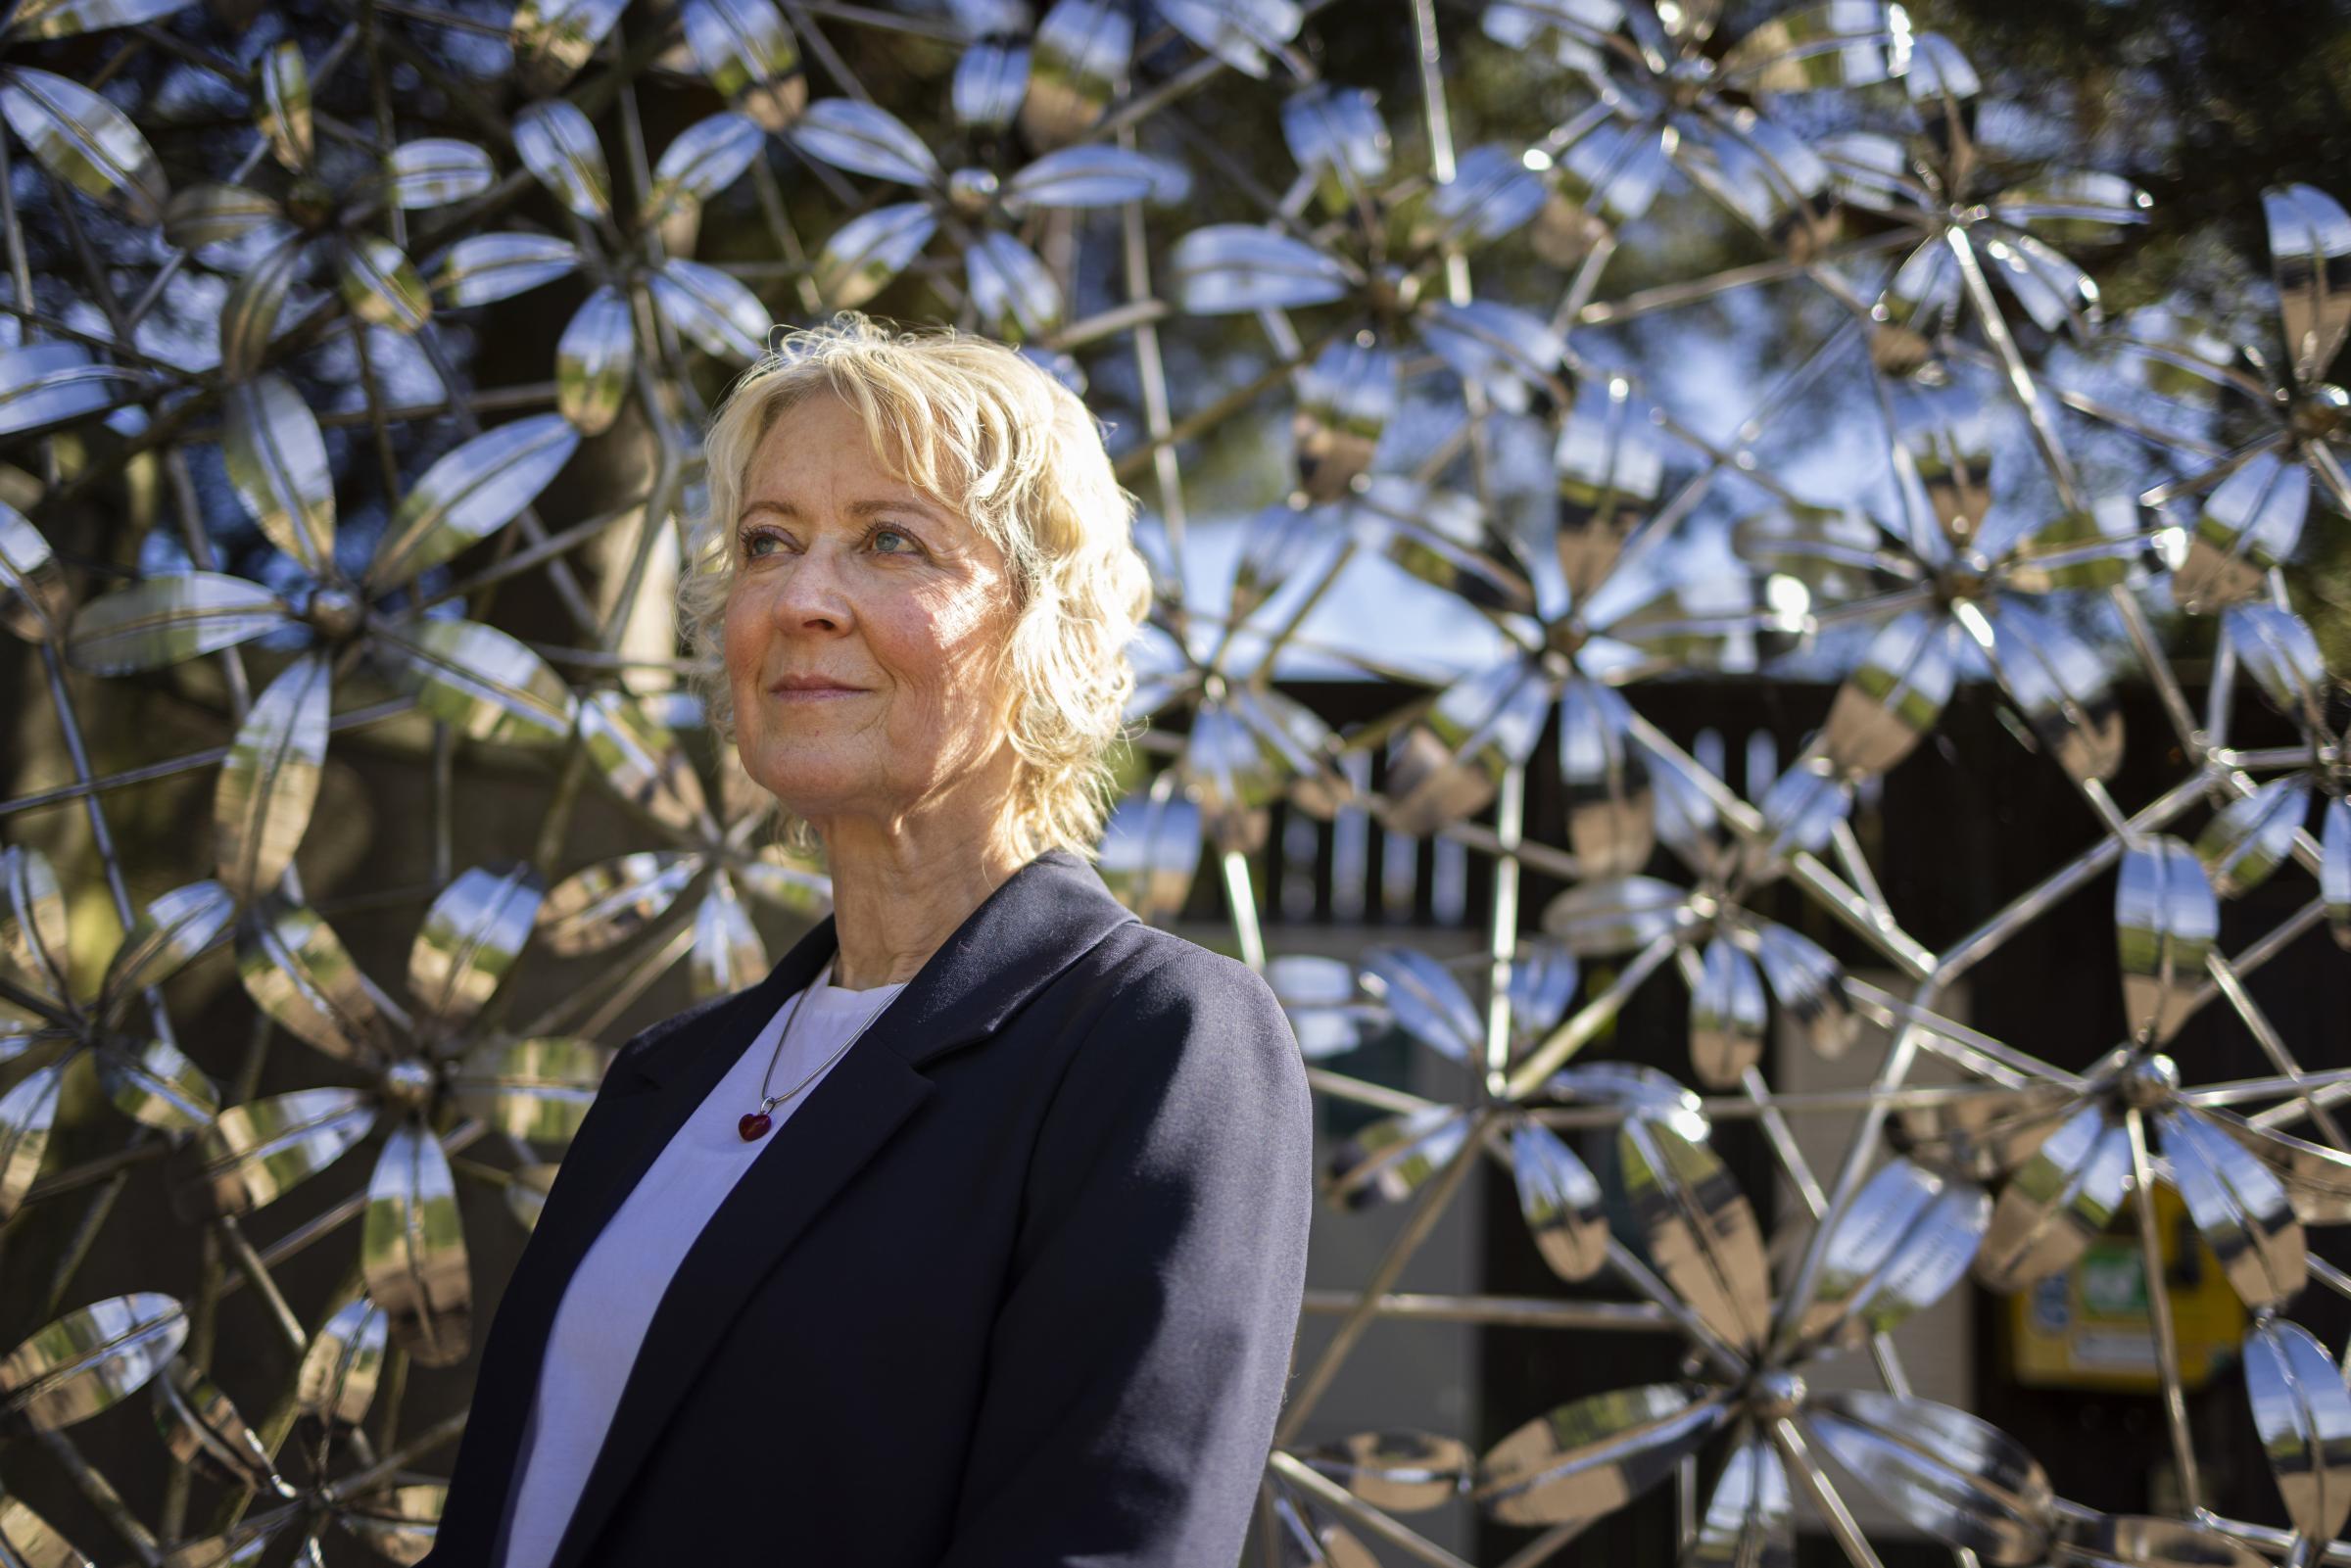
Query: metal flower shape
point(1395, 1471)
point(598, 352)
point(2250, 505)
point(333, 1387)
point(45, 1010)
point(325, 211)
point(1905, 1241)
point(1009, 291)
point(2074, 1152)
point(1605, 626)
point(745, 49)
point(1731, 956)
point(475, 678)
point(637, 754)
point(428, 1066)
point(1986, 215)
point(1949, 593)
point(1379, 255)
point(1056, 78)
point(1668, 95)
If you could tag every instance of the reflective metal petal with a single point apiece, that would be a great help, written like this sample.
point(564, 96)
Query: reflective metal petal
point(712, 307)
point(270, 780)
point(167, 619)
point(169, 933)
point(1096, 175)
point(865, 139)
point(536, 1089)
point(1012, 287)
point(1727, 1015)
point(1505, 351)
point(382, 286)
point(1327, 1010)
point(1821, 45)
point(202, 1428)
point(1808, 985)
point(1448, 764)
point(991, 80)
point(249, 316)
point(1981, 1136)
point(1345, 400)
point(1954, 1476)
point(1905, 1241)
point(1801, 810)
point(1491, 194)
point(1427, 1000)
point(2060, 1199)
point(1442, 538)
point(1077, 63)
point(704, 159)
point(1239, 32)
point(1593, 1456)
point(36, 941)
point(2240, 1208)
point(412, 1248)
point(1336, 134)
point(253, 1154)
point(1605, 777)
point(748, 53)
point(1750, 1521)
point(474, 489)
point(1643, 1092)
point(593, 361)
point(482, 267)
point(2282, 656)
point(727, 953)
point(1390, 1160)
point(283, 109)
point(34, 598)
point(37, 1542)
point(88, 1359)
point(1396, 1471)
point(2249, 838)
point(864, 253)
point(85, 141)
point(2310, 256)
point(559, 146)
point(1887, 706)
point(1229, 269)
point(277, 462)
point(553, 39)
point(2166, 921)
point(63, 18)
point(1600, 919)
point(1609, 475)
point(1702, 1232)
point(1836, 553)
point(27, 1113)
point(296, 971)
point(2334, 867)
point(398, 1523)
point(1564, 1209)
point(2247, 525)
point(436, 171)
point(478, 680)
point(2317, 1179)
point(337, 1379)
point(2064, 686)
point(469, 942)
point(158, 1086)
point(2303, 1413)
point(609, 902)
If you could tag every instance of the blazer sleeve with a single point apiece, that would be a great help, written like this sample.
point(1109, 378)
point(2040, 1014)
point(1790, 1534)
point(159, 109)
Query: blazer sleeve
point(1140, 1356)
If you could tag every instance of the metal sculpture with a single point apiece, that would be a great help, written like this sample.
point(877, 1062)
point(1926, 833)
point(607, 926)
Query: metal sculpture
point(335, 521)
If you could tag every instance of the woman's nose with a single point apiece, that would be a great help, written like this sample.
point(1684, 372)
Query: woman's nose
point(811, 593)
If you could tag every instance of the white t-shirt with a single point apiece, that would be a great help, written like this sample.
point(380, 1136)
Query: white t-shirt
point(610, 1299)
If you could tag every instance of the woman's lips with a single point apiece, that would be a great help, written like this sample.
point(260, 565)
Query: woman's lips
point(813, 693)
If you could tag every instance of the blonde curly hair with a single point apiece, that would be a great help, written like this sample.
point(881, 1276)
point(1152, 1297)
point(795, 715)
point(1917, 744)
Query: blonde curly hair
point(985, 432)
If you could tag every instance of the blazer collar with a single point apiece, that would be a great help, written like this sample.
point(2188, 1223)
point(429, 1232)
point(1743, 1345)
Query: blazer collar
point(1036, 924)
point(1033, 925)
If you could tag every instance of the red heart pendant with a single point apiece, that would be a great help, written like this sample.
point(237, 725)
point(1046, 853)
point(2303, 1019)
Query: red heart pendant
point(754, 1125)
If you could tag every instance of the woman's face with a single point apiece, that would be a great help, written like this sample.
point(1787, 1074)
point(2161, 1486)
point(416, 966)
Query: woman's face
point(845, 575)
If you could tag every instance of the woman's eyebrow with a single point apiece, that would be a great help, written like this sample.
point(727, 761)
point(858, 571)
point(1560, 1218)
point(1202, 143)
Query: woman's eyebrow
point(855, 509)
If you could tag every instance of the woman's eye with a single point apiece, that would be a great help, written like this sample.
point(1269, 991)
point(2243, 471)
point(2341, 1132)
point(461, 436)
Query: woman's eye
point(891, 533)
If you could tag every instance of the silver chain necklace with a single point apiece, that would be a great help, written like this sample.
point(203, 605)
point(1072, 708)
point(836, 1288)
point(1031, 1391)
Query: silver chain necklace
point(755, 1123)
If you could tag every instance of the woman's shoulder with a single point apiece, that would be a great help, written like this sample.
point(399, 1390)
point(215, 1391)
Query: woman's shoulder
point(1155, 980)
point(649, 1038)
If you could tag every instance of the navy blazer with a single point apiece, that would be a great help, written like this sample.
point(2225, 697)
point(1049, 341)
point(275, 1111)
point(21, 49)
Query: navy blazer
point(1016, 1285)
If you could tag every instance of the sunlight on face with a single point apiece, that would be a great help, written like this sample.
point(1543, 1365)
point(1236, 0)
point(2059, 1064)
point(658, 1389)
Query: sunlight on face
point(845, 575)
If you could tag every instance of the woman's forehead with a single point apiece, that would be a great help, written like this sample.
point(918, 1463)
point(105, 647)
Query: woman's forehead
point(785, 459)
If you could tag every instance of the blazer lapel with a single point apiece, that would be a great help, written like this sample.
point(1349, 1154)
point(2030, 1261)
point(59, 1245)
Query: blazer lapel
point(1033, 925)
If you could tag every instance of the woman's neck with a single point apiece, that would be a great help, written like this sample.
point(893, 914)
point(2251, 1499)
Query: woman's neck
point(896, 900)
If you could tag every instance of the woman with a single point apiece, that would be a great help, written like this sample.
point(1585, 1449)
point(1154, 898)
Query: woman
point(975, 1235)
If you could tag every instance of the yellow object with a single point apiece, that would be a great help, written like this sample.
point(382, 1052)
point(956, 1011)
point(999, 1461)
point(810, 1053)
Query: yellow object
point(2088, 1327)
